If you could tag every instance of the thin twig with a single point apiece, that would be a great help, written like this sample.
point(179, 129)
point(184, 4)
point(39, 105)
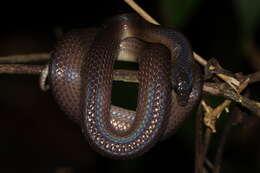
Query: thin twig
point(254, 77)
point(204, 144)
point(199, 59)
point(207, 138)
point(43, 78)
point(36, 57)
point(221, 89)
point(20, 69)
point(141, 12)
point(208, 131)
point(219, 153)
point(199, 145)
point(125, 76)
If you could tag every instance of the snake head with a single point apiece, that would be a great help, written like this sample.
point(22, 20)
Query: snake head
point(182, 84)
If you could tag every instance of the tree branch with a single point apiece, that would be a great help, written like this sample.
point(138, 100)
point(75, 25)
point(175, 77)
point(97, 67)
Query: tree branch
point(199, 145)
point(35, 57)
point(20, 69)
point(222, 89)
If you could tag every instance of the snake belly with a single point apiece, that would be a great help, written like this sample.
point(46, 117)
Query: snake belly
point(81, 73)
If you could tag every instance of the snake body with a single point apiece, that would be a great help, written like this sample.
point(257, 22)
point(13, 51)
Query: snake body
point(81, 73)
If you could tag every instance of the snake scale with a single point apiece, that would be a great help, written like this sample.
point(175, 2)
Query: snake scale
point(81, 74)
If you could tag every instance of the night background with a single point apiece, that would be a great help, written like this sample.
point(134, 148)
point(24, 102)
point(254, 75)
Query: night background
point(36, 136)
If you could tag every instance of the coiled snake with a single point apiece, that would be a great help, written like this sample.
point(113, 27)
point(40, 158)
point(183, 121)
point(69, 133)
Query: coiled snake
point(81, 73)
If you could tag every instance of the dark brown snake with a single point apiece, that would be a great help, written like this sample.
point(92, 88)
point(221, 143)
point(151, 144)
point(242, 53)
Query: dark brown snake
point(81, 74)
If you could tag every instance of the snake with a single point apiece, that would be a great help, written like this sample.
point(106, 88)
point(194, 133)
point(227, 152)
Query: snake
point(169, 83)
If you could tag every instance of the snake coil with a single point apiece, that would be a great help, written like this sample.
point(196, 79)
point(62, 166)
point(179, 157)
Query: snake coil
point(81, 73)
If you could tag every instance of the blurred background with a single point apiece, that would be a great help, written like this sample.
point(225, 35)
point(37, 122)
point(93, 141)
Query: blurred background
point(35, 136)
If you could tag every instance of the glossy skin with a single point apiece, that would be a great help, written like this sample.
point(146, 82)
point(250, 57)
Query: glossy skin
point(81, 72)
